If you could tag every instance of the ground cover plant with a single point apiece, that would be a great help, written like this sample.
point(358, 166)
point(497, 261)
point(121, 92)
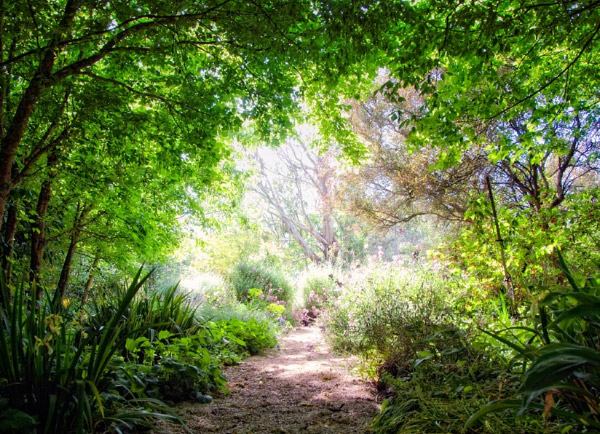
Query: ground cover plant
point(558, 356)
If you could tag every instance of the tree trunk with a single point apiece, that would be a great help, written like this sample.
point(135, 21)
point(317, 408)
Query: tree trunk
point(324, 185)
point(295, 233)
point(90, 280)
point(66, 268)
point(10, 230)
point(330, 249)
point(15, 132)
point(508, 284)
point(38, 233)
point(12, 139)
point(38, 229)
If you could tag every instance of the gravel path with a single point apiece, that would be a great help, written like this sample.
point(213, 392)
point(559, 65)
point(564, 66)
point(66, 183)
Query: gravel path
point(300, 388)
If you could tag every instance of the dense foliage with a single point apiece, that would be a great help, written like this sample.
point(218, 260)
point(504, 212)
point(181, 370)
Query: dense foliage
point(247, 276)
point(113, 365)
point(440, 356)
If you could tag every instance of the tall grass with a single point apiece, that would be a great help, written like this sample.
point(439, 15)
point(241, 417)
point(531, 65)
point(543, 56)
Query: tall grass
point(148, 312)
point(52, 366)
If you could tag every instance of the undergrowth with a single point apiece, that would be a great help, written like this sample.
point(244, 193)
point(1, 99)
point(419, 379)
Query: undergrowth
point(419, 337)
point(117, 363)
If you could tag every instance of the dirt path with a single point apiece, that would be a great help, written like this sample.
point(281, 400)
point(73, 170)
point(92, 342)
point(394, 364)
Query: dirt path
point(300, 388)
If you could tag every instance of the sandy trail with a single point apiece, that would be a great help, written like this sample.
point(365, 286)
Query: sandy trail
point(300, 388)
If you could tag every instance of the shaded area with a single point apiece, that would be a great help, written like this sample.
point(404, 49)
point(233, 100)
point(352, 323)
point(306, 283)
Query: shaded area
point(300, 388)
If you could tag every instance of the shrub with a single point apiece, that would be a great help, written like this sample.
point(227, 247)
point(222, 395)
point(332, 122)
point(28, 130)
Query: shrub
point(444, 387)
point(252, 336)
point(209, 288)
point(53, 368)
point(317, 293)
point(238, 330)
point(111, 369)
point(247, 275)
point(390, 313)
point(240, 311)
point(415, 338)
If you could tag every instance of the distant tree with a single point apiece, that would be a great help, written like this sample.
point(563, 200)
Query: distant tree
point(396, 183)
point(299, 187)
point(530, 166)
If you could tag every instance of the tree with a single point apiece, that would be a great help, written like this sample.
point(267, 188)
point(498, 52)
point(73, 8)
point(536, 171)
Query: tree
point(546, 163)
point(127, 112)
point(397, 184)
point(516, 81)
point(299, 188)
point(483, 63)
point(219, 61)
point(400, 182)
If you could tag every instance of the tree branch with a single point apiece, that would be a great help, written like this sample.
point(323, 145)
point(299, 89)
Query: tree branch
point(552, 80)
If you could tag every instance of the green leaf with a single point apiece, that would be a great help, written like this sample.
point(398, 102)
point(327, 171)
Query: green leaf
point(164, 334)
point(492, 407)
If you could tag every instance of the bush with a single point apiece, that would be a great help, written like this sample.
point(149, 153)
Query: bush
point(251, 336)
point(446, 379)
point(389, 313)
point(411, 332)
point(317, 291)
point(109, 368)
point(444, 387)
point(240, 311)
point(238, 330)
point(247, 275)
point(206, 287)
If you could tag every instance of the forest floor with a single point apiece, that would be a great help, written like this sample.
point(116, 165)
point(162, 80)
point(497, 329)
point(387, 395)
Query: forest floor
point(301, 387)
